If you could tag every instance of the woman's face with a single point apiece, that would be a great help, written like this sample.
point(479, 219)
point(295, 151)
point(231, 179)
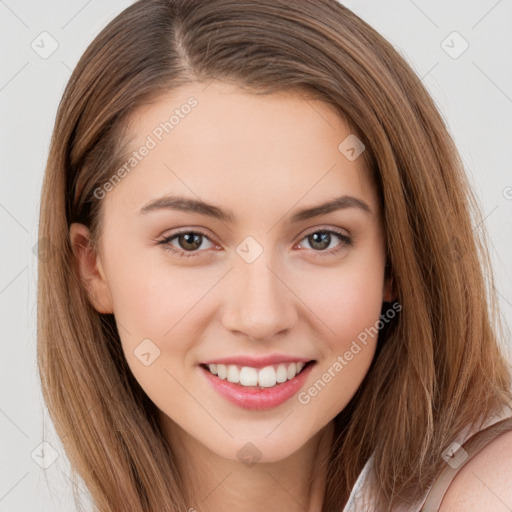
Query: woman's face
point(259, 272)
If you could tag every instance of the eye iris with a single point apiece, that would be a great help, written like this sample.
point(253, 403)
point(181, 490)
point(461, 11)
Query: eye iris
point(191, 238)
point(320, 238)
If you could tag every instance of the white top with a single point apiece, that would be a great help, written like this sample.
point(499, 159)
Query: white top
point(359, 500)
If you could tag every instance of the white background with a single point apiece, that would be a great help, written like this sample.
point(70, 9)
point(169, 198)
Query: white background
point(473, 92)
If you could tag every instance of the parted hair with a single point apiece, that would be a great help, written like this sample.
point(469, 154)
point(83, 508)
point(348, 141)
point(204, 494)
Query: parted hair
point(439, 366)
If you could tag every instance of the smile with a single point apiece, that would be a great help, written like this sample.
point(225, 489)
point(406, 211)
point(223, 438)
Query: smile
point(257, 389)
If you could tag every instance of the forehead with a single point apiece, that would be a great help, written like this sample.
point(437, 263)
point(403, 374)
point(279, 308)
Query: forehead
point(220, 139)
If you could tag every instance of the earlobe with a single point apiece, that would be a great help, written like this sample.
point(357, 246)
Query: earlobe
point(90, 268)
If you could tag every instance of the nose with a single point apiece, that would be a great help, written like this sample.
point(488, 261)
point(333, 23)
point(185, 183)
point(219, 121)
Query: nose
point(260, 303)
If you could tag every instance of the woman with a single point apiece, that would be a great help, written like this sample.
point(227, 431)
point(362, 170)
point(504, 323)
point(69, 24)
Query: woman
point(268, 291)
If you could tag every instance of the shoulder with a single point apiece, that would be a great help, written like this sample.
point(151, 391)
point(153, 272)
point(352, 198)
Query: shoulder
point(484, 483)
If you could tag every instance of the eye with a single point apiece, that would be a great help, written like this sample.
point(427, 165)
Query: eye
point(189, 242)
point(321, 239)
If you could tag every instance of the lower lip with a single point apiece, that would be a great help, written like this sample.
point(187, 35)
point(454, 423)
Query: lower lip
point(258, 399)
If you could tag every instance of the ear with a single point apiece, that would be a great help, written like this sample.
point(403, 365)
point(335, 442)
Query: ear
point(90, 268)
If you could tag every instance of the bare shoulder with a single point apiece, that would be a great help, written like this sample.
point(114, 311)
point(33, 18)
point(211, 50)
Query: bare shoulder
point(485, 482)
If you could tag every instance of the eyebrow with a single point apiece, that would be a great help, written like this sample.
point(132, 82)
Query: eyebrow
point(200, 207)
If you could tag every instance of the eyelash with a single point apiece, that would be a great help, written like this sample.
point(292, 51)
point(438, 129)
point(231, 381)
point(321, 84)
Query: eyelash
point(346, 242)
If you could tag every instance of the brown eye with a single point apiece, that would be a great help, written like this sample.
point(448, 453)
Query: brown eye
point(320, 240)
point(189, 243)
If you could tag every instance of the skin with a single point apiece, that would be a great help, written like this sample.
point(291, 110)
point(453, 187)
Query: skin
point(263, 158)
point(484, 482)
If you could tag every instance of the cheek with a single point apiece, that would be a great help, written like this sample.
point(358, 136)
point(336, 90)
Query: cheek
point(149, 296)
point(346, 299)
point(145, 304)
point(167, 306)
point(347, 302)
point(152, 314)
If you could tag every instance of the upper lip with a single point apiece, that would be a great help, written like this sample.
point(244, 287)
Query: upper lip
point(258, 362)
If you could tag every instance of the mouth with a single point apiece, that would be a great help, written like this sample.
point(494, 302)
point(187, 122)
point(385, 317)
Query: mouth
point(256, 389)
point(247, 377)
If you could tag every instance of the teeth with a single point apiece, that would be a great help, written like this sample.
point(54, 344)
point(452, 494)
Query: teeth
point(233, 375)
point(281, 373)
point(247, 376)
point(292, 371)
point(265, 377)
point(222, 371)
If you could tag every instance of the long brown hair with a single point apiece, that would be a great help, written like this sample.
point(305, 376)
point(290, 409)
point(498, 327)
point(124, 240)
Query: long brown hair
point(438, 367)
